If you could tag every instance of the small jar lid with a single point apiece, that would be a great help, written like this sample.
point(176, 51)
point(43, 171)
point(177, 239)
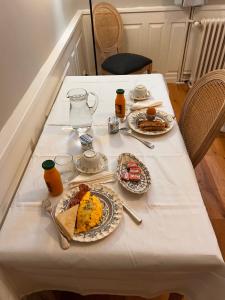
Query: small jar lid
point(113, 119)
point(89, 153)
point(86, 139)
point(48, 164)
point(120, 91)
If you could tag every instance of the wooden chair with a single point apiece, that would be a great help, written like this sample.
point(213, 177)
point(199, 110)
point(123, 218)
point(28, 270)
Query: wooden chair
point(108, 29)
point(203, 114)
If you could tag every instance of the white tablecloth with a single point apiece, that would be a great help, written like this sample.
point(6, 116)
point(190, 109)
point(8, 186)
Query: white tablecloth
point(174, 249)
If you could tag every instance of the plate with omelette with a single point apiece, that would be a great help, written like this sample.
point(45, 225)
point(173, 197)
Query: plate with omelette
point(88, 213)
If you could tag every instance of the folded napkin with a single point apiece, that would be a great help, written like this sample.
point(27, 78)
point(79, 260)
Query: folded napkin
point(145, 103)
point(97, 178)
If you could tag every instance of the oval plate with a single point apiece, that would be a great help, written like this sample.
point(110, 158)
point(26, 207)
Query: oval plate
point(132, 118)
point(112, 213)
point(143, 184)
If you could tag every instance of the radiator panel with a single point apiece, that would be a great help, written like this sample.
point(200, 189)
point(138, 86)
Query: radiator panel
point(210, 52)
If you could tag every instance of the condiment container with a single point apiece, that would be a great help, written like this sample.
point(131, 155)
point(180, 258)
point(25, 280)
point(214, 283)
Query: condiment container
point(86, 142)
point(113, 124)
point(120, 104)
point(52, 178)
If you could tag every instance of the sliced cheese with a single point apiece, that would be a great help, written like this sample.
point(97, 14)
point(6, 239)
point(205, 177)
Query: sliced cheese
point(66, 220)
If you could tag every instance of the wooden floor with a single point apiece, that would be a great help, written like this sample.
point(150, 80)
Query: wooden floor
point(211, 178)
point(210, 172)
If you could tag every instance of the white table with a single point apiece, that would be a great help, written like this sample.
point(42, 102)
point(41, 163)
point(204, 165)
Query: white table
point(174, 249)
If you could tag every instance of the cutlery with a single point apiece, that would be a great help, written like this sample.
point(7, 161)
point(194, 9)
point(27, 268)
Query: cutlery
point(128, 132)
point(93, 182)
point(132, 214)
point(64, 243)
point(107, 176)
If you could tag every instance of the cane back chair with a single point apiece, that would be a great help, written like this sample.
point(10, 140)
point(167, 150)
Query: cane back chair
point(203, 114)
point(108, 29)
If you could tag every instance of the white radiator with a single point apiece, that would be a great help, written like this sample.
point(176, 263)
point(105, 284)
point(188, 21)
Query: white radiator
point(210, 52)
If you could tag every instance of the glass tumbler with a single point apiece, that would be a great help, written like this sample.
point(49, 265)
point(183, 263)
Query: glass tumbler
point(65, 165)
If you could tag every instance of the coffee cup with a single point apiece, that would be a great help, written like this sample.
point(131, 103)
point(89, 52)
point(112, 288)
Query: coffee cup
point(90, 160)
point(140, 91)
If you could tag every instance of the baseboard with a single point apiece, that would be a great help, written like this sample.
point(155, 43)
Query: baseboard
point(21, 132)
point(171, 77)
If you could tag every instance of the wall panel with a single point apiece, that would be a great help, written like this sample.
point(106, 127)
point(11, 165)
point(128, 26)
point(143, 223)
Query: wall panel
point(133, 38)
point(23, 128)
point(156, 32)
point(155, 40)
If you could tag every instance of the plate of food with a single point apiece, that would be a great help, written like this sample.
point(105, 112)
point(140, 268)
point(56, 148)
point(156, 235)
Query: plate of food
point(150, 121)
point(88, 213)
point(132, 174)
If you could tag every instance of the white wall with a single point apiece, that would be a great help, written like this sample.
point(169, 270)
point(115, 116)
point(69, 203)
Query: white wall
point(136, 3)
point(29, 30)
point(140, 3)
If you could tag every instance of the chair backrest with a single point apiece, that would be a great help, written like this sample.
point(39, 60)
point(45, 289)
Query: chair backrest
point(108, 28)
point(203, 114)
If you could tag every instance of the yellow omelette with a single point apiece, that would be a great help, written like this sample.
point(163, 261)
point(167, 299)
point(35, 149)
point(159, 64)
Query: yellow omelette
point(89, 213)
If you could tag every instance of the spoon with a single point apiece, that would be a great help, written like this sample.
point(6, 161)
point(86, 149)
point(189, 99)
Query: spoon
point(64, 243)
point(128, 131)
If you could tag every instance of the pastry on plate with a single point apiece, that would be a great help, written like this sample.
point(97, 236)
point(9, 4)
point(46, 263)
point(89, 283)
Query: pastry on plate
point(156, 125)
point(151, 113)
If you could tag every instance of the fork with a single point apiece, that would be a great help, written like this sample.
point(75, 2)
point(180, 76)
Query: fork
point(64, 243)
point(128, 131)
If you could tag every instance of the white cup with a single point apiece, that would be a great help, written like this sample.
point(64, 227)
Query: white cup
point(140, 91)
point(90, 159)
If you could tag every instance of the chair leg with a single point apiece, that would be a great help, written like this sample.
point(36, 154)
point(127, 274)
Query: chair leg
point(149, 69)
point(174, 296)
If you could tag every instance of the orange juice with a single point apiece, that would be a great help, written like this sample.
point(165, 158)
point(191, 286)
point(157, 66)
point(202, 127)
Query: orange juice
point(120, 103)
point(52, 178)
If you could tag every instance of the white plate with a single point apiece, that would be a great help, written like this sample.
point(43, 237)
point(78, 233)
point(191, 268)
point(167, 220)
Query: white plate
point(112, 213)
point(132, 118)
point(86, 170)
point(140, 186)
point(132, 97)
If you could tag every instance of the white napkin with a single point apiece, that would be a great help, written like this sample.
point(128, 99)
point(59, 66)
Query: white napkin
point(145, 103)
point(103, 176)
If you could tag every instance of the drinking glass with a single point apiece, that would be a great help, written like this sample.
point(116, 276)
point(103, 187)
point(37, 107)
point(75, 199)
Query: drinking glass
point(65, 165)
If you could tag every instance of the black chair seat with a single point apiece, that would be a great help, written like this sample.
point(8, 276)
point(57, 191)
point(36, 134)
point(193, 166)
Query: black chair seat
point(125, 63)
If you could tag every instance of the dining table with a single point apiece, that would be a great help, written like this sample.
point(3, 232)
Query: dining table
point(173, 249)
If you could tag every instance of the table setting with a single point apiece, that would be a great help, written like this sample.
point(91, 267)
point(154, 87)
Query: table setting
point(109, 202)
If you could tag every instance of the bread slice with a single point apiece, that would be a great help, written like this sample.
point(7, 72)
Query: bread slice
point(67, 220)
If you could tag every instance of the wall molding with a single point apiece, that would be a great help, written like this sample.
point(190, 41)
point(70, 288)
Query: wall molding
point(21, 132)
point(211, 7)
point(142, 9)
point(9, 130)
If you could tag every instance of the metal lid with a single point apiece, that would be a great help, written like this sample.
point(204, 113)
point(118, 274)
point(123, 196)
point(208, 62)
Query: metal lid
point(120, 91)
point(86, 139)
point(48, 164)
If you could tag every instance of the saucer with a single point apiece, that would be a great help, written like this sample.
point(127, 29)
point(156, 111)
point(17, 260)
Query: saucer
point(132, 97)
point(91, 170)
